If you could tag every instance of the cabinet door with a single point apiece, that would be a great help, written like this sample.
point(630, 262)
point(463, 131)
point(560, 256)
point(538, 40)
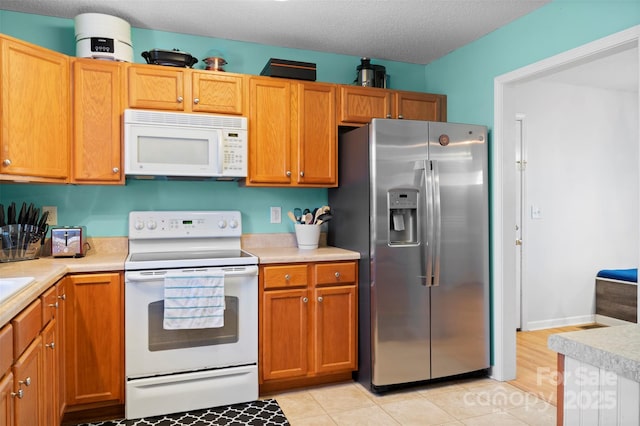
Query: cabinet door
point(285, 334)
point(27, 381)
point(420, 106)
point(60, 344)
point(358, 105)
point(34, 139)
point(335, 329)
point(50, 373)
point(270, 135)
point(156, 87)
point(6, 400)
point(317, 140)
point(94, 339)
point(97, 121)
point(217, 92)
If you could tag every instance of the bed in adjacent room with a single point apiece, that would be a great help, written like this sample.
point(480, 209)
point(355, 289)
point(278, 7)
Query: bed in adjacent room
point(616, 295)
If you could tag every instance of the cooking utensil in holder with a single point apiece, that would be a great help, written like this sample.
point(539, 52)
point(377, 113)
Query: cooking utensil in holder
point(20, 242)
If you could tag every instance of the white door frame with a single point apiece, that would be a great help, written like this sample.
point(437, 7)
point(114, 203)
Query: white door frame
point(521, 198)
point(503, 197)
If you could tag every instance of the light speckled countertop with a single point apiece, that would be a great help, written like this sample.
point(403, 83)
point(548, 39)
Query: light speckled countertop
point(615, 349)
point(109, 255)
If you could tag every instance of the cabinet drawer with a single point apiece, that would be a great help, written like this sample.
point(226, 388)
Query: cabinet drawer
point(49, 304)
point(26, 326)
point(285, 276)
point(335, 273)
point(6, 348)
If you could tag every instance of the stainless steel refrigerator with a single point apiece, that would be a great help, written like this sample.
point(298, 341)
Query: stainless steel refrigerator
point(413, 200)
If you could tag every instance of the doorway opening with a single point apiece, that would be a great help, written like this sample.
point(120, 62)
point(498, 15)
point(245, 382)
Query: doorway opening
point(504, 194)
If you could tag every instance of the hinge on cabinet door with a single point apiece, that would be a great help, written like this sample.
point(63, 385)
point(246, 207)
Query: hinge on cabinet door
point(522, 165)
point(518, 242)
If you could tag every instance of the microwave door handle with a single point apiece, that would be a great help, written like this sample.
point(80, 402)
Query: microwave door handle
point(220, 145)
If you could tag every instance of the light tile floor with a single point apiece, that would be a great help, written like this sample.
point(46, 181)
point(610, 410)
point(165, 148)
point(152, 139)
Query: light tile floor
point(463, 402)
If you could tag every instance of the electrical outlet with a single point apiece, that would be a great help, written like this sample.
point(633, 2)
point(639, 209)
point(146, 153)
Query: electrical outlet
point(276, 214)
point(52, 219)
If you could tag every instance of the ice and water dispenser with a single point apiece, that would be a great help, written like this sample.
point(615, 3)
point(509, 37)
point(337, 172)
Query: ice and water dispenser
point(403, 216)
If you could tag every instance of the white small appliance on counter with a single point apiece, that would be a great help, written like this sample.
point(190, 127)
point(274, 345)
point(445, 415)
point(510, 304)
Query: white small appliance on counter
point(69, 241)
point(101, 36)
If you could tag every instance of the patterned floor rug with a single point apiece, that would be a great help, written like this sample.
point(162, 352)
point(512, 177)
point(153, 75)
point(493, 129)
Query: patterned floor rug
point(256, 413)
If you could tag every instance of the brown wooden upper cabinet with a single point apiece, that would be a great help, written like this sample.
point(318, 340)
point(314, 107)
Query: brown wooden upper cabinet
point(34, 139)
point(293, 133)
point(186, 90)
point(358, 105)
point(97, 122)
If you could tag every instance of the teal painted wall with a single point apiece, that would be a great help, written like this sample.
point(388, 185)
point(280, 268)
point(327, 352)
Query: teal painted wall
point(245, 58)
point(466, 75)
point(104, 209)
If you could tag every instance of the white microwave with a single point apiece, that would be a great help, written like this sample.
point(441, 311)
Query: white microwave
point(173, 144)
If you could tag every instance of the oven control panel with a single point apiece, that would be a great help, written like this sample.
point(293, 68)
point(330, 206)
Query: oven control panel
point(184, 224)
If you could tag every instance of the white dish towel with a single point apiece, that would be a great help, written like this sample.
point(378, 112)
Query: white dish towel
point(194, 300)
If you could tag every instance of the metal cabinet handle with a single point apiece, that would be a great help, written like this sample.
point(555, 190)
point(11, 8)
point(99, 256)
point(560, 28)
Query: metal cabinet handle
point(26, 382)
point(180, 99)
point(6, 162)
point(51, 345)
point(19, 394)
point(288, 173)
point(388, 115)
point(116, 170)
point(63, 297)
point(305, 300)
point(196, 101)
point(301, 174)
point(53, 305)
point(400, 116)
point(287, 277)
point(319, 298)
point(337, 274)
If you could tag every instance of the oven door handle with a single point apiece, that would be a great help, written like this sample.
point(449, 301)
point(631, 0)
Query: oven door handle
point(229, 272)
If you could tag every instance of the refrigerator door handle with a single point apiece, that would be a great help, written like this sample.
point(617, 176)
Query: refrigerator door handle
point(429, 226)
point(437, 223)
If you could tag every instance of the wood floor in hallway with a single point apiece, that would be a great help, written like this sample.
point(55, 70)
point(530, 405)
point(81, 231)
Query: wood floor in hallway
point(536, 364)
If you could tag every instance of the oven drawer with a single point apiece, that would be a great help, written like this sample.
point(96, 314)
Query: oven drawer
point(155, 396)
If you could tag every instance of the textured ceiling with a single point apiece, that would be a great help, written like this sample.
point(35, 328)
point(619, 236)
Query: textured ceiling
point(414, 31)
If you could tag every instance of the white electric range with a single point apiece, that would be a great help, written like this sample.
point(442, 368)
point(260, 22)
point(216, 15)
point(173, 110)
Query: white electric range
point(174, 370)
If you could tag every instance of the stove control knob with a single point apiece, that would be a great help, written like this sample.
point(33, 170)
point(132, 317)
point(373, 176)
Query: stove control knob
point(222, 224)
point(233, 224)
point(139, 225)
point(151, 225)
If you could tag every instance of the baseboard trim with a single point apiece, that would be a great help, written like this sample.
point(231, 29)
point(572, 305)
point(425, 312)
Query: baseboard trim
point(560, 322)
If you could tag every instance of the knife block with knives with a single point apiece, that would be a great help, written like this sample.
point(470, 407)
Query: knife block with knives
point(21, 233)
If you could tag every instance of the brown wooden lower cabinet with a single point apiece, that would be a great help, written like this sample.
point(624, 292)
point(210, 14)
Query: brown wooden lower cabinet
point(94, 340)
point(50, 374)
point(28, 382)
point(41, 377)
point(6, 400)
point(307, 323)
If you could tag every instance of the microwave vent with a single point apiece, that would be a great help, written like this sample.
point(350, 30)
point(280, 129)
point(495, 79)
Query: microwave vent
point(162, 118)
